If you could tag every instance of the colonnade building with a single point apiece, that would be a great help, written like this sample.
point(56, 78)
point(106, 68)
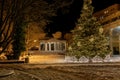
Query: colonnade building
point(52, 46)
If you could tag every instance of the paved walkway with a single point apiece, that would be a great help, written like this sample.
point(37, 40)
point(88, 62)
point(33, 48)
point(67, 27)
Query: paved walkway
point(5, 72)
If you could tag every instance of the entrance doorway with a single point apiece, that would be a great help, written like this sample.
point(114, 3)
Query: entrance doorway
point(115, 40)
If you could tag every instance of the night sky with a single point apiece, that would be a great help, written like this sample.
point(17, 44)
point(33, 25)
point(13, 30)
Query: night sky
point(67, 17)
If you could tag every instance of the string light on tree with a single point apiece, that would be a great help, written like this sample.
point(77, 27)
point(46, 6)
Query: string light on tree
point(88, 38)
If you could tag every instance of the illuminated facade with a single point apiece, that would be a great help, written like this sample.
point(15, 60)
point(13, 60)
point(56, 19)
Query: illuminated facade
point(52, 46)
point(110, 19)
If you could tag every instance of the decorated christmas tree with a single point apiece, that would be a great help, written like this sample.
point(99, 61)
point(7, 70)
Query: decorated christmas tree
point(88, 37)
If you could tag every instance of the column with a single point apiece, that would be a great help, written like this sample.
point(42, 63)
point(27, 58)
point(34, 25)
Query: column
point(46, 46)
point(54, 46)
point(57, 46)
point(49, 46)
point(111, 42)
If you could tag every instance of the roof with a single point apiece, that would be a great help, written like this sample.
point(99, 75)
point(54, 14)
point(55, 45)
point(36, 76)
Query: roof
point(53, 40)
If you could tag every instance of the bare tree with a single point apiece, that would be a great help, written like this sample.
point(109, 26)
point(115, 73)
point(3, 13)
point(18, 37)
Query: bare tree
point(11, 11)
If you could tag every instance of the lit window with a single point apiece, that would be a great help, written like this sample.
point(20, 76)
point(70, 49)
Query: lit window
point(105, 12)
point(52, 46)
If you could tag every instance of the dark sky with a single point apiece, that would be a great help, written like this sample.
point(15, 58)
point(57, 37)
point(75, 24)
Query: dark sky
point(67, 17)
point(101, 4)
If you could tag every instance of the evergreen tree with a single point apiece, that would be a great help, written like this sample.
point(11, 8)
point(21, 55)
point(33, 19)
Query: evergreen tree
point(88, 38)
point(19, 44)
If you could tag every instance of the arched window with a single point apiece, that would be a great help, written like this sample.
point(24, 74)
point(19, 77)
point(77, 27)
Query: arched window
point(42, 46)
point(115, 40)
point(52, 46)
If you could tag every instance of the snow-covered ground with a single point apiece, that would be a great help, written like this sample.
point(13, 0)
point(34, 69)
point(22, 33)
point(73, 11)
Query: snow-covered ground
point(52, 58)
point(109, 71)
point(83, 59)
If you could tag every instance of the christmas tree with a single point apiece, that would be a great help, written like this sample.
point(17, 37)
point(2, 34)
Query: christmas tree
point(88, 37)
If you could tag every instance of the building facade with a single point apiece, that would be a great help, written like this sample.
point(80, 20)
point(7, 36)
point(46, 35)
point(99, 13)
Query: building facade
point(52, 46)
point(110, 19)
